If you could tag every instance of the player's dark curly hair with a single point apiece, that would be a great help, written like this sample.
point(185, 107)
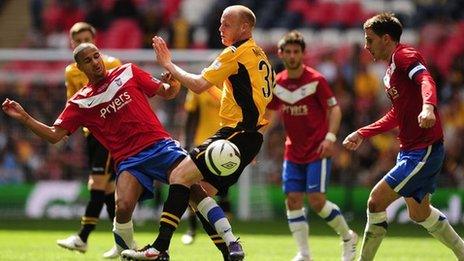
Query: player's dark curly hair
point(292, 37)
point(385, 23)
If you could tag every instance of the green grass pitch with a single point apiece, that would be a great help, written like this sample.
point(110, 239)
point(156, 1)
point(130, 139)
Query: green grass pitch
point(263, 240)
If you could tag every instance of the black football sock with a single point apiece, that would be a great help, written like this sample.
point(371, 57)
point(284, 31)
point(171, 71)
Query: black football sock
point(192, 219)
point(110, 206)
point(224, 203)
point(173, 209)
point(92, 212)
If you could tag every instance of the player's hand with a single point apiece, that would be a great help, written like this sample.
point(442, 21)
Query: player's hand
point(162, 53)
point(326, 148)
point(353, 141)
point(14, 110)
point(169, 79)
point(426, 117)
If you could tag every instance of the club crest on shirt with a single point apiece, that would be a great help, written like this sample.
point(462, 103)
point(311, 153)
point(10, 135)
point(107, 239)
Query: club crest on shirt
point(392, 92)
point(118, 81)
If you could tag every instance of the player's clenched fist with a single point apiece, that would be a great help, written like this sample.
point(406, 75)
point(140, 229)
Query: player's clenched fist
point(353, 141)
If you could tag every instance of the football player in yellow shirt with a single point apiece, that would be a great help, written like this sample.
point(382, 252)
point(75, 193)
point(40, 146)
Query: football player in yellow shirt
point(203, 121)
point(101, 177)
point(247, 81)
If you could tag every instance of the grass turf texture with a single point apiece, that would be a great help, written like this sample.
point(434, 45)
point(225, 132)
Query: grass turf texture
point(262, 240)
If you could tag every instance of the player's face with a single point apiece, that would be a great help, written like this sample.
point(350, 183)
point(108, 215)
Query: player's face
point(81, 37)
point(231, 28)
point(292, 56)
point(91, 63)
point(376, 45)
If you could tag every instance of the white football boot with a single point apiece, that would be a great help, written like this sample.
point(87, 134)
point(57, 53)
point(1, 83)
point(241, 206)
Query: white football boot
point(349, 247)
point(301, 257)
point(73, 242)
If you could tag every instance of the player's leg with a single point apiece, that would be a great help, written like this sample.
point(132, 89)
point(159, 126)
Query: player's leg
point(97, 183)
point(224, 203)
point(109, 189)
point(293, 184)
point(128, 192)
point(380, 198)
point(110, 209)
point(212, 217)
point(436, 224)
point(189, 236)
point(318, 175)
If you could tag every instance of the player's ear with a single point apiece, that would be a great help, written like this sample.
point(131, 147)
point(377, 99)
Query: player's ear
point(386, 38)
point(280, 54)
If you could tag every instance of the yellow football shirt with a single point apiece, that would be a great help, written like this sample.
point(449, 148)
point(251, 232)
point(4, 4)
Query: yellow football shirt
point(208, 119)
point(248, 79)
point(75, 79)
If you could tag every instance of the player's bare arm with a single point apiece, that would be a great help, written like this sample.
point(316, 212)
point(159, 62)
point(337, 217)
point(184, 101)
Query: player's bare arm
point(353, 141)
point(194, 82)
point(52, 134)
point(326, 147)
point(427, 117)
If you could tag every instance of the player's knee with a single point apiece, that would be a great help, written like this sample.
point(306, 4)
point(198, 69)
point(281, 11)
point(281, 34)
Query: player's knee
point(417, 217)
point(373, 204)
point(124, 208)
point(197, 194)
point(294, 203)
point(186, 173)
point(177, 176)
point(316, 203)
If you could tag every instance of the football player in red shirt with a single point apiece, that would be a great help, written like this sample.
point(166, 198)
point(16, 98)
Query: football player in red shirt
point(412, 92)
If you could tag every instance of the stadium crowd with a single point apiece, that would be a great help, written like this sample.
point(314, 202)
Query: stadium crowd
point(187, 24)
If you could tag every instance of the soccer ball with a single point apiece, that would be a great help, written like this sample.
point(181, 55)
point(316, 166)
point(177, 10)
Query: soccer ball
point(222, 157)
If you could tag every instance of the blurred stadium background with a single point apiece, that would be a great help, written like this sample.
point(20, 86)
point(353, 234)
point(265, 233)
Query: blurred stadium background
point(38, 180)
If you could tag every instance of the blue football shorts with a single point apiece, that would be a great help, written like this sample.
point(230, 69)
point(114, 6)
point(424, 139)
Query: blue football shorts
point(153, 163)
point(308, 177)
point(415, 172)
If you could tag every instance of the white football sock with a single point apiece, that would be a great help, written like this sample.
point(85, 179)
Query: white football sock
point(334, 218)
point(373, 234)
point(300, 229)
point(439, 227)
point(123, 235)
point(215, 215)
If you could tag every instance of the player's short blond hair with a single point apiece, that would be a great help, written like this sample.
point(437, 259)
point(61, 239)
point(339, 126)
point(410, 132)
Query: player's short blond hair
point(245, 14)
point(81, 27)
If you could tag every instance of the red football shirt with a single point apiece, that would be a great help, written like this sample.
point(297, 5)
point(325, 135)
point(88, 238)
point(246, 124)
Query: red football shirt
point(303, 103)
point(409, 85)
point(117, 112)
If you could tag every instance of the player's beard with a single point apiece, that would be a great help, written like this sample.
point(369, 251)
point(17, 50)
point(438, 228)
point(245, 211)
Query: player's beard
point(292, 65)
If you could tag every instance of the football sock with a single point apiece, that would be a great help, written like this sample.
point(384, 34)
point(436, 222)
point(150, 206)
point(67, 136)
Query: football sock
point(438, 226)
point(123, 235)
point(192, 220)
point(375, 231)
point(211, 210)
point(173, 209)
point(92, 212)
point(300, 229)
point(217, 239)
point(110, 205)
point(334, 218)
